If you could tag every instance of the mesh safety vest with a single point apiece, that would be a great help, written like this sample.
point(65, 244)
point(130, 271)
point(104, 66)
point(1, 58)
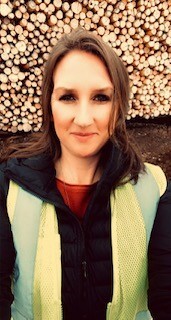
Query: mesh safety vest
point(37, 273)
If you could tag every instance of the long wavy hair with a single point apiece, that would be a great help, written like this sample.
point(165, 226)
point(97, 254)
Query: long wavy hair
point(46, 140)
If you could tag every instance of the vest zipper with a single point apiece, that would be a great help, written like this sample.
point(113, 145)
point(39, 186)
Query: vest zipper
point(84, 276)
point(84, 267)
point(84, 289)
point(84, 262)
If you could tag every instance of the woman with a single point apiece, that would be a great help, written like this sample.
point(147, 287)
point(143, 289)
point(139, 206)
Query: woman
point(73, 195)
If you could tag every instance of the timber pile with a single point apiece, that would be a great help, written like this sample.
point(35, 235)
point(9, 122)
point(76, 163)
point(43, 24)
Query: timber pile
point(139, 31)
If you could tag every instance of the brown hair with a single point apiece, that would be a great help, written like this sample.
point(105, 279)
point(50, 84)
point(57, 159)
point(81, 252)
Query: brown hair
point(46, 139)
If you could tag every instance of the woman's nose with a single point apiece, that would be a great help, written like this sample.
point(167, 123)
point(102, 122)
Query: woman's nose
point(83, 116)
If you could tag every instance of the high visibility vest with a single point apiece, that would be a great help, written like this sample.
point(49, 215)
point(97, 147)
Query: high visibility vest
point(37, 273)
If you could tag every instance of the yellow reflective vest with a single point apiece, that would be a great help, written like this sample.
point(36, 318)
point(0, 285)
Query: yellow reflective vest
point(37, 274)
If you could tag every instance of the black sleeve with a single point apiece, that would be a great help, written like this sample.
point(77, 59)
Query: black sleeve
point(7, 253)
point(159, 294)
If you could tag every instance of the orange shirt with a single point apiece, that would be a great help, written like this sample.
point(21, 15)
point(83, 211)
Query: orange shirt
point(76, 197)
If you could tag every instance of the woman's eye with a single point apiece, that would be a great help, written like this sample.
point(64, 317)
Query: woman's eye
point(67, 97)
point(101, 98)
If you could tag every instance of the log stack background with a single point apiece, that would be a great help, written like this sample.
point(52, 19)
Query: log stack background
point(139, 31)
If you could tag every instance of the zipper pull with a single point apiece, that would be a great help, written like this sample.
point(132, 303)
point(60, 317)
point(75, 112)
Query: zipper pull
point(84, 265)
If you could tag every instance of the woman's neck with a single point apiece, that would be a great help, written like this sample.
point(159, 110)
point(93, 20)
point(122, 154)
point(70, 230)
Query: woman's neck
point(78, 171)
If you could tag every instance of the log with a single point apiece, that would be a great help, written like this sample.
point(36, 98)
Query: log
point(6, 9)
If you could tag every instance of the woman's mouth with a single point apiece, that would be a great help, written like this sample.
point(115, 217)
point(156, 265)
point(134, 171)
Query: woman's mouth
point(82, 136)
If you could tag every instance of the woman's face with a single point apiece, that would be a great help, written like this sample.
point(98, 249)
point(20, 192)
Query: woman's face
point(81, 104)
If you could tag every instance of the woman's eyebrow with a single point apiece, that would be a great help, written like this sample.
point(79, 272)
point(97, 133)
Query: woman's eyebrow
point(63, 88)
point(103, 89)
point(74, 90)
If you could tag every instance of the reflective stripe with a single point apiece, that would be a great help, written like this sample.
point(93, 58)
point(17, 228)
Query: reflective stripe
point(129, 255)
point(37, 275)
point(47, 284)
point(25, 228)
point(133, 209)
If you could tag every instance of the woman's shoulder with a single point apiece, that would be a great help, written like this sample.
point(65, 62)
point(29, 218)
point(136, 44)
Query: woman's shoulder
point(158, 175)
point(35, 172)
point(3, 166)
point(4, 181)
point(163, 216)
point(166, 197)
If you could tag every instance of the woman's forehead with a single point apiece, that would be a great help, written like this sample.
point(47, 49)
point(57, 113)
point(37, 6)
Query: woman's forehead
point(79, 67)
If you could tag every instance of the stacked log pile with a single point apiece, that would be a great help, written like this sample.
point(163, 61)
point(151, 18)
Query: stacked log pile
point(139, 31)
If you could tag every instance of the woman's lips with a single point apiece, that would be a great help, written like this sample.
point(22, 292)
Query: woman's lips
point(83, 133)
point(83, 136)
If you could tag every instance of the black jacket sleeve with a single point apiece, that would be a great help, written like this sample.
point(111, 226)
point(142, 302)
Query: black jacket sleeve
point(7, 253)
point(159, 295)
